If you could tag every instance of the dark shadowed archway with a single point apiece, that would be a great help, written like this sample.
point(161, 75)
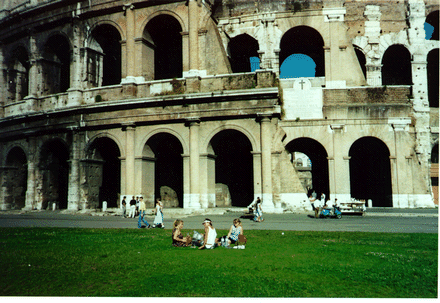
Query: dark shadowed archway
point(168, 169)
point(433, 78)
point(163, 41)
point(241, 49)
point(396, 66)
point(104, 172)
point(234, 166)
point(108, 38)
point(56, 65)
point(319, 162)
point(54, 169)
point(16, 178)
point(370, 171)
point(433, 20)
point(361, 59)
point(17, 75)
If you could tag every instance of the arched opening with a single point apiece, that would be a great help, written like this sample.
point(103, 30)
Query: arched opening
point(433, 21)
point(163, 166)
point(434, 172)
point(298, 65)
point(16, 178)
point(108, 52)
point(370, 171)
point(433, 71)
point(306, 41)
point(317, 155)
point(103, 172)
point(361, 58)
point(396, 66)
point(17, 75)
point(54, 172)
point(234, 177)
point(163, 42)
point(241, 49)
point(56, 65)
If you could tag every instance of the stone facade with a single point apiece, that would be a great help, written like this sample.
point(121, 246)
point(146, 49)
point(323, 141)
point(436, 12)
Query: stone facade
point(105, 99)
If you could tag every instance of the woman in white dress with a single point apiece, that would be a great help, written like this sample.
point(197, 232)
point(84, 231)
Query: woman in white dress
point(158, 219)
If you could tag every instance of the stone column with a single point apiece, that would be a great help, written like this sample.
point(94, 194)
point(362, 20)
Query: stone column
point(130, 129)
point(34, 75)
point(194, 162)
point(257, 174)
point(73, 195)
point(341, 167)
point(130, 44)
point(32, 163)
point(2, 83)
point(74, 92)
point(266, 163)
point(193, 20)
point(372, 32)
point(193, 35)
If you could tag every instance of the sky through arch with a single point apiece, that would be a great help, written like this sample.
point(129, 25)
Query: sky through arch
point(298, 65)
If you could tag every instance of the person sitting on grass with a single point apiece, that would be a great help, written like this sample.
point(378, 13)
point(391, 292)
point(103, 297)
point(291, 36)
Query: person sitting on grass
point(235, 230)
point(178, 239)
point(210, 240)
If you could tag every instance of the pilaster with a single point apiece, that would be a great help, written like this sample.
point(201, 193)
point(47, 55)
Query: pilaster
point(194, 162)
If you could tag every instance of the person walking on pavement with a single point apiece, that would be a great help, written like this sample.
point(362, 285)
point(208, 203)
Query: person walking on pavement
point(158, 220)
point(259, 211)
point(124, 207)
point(132, 208)
point(142, 213)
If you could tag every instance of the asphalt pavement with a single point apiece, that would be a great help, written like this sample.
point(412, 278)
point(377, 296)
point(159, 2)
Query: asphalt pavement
point(375, 220)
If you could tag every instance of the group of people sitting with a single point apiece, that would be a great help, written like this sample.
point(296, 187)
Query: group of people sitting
point(210, 239)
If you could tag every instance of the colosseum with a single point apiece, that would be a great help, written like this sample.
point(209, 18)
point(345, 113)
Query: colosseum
point(212, 103)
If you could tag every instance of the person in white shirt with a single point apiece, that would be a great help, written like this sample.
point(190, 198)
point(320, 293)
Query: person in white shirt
point(210, 240)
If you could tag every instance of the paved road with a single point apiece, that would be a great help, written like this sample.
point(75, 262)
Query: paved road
point(376, 220)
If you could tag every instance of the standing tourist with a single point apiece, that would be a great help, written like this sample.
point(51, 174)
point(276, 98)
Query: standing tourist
point(158, 220)
point(124, 207)
point(259, 211)
point(132, 212)
point(142, 212)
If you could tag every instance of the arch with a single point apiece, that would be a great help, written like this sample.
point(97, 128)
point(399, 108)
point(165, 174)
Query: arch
point(56, 64)
point(370, 171)
point(433, 77)
point(304, 40)
point(236, 127)
point(15, 178)
point(232, 168)
point(396, 66)
point(434, 153)
point(54, 173)
point(361, 58)
point(164, 130)
point(100, 23)
point(162, 165)
point(433, 20)
point(103, 172)
point(108, 38)
point(317, 154)
point(241, 48)
point(162, 48)
point(17, 74)
point(105, 135)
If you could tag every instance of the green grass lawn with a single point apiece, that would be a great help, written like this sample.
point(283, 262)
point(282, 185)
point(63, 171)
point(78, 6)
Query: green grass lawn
point(140, 262)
